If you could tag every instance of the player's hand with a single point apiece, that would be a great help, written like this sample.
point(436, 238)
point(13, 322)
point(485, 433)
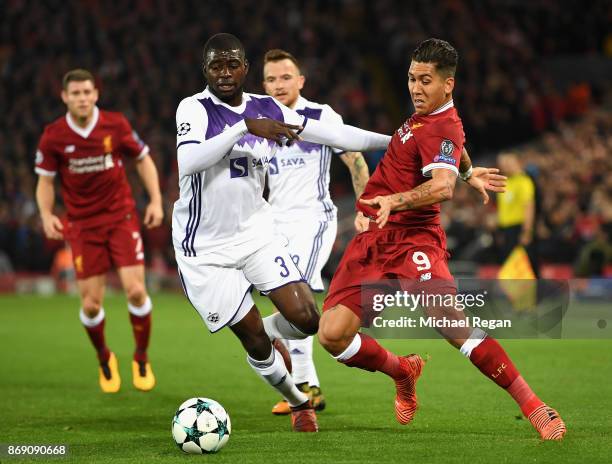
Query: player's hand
point(273, 130)
point(154, 214)
point(484, 179)
point(384, 205)
point(362, 223)
point(526, 237)
point(52, 226)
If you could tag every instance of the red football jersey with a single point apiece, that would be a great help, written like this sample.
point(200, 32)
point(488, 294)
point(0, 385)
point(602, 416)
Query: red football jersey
point(89, 162)
point(422, 143)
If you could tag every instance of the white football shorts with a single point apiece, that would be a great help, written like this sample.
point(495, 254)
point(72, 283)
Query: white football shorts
point(310, 244)
point(221, 293)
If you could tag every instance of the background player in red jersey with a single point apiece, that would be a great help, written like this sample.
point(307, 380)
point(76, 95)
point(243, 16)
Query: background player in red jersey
point(86, 147)
point(402, 239)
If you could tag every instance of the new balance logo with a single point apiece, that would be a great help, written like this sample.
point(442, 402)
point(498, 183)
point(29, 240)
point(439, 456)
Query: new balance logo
point(69, 149)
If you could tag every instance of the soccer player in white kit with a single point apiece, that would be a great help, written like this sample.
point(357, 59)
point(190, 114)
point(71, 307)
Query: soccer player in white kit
point(298, 180)
point(223, 231)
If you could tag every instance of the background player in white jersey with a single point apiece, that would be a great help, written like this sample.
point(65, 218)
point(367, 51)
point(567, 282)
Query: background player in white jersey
point(223, 230)
point(298, 180)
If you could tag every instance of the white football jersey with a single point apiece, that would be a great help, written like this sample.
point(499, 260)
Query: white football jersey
point(298, 177)
point(223, 205)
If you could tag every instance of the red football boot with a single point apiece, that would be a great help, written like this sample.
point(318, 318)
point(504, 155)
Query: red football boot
point(406, 398)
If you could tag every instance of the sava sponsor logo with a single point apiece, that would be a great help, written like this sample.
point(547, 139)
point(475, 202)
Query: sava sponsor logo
point(286, 163)
point(239, 167)
point(91, 164)
point(292, 162)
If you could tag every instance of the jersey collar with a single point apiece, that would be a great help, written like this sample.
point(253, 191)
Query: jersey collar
point(84, 131)
point(236, 109)
point(449, 104)
point(300, 104)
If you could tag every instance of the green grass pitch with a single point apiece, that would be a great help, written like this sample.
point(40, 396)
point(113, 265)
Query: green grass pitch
point(49, 394)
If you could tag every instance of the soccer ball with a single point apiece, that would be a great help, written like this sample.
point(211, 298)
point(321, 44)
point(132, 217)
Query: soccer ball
point(201, 425)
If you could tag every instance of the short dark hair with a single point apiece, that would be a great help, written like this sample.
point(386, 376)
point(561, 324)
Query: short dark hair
point(439, 52)
point(277, 54)
point(222, 41)
point(77, 75)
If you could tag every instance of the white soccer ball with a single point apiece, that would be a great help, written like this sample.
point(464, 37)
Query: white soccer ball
point(201, 425)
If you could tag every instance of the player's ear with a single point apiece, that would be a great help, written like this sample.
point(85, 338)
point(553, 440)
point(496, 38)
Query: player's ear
point(449, 85)
point(301, 81)
point(246, 66)
point(96, 94)
point(65, 97)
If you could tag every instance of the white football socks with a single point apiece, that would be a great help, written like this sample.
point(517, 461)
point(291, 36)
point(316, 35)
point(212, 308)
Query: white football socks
point(141, 311)
point(91, 321)
point(301, 359)
point(276, 326)
point(274, 372)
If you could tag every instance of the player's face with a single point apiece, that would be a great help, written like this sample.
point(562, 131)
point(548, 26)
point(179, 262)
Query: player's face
point(283, 81)
point(429, 89)
point(225, 72)
point(80, 97)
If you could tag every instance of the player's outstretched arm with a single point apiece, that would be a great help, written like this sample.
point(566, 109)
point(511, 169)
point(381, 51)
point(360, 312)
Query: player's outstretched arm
point(343, 136)
point(198, 155)
point(436, 190)
point(45, 197)
point(154, 213)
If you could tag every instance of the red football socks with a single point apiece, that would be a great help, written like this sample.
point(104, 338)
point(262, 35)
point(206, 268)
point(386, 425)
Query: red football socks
point(141, 326)
point(373, 357)
point(491, 359)
point(96, 335)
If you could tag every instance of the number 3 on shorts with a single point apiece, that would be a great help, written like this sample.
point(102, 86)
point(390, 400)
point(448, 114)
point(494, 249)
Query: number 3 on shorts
point(285, 272)
point(421, 260)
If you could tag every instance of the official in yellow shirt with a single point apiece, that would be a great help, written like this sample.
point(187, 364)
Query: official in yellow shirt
point(516, 208)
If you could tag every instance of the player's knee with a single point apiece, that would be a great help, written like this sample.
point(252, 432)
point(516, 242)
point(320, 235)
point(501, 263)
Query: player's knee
point(136, 294)
point(332, 336)
point(307, 319)
point(91, 306)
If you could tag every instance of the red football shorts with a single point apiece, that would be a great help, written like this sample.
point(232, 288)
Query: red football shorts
point(95, 250)
point(416, 255)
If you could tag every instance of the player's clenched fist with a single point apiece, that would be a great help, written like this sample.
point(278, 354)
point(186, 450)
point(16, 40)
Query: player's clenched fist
point(52, 226)
point(384, 203)
point(273, 130)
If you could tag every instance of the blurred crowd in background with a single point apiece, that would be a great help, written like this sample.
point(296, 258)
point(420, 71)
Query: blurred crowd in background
point(355, 54)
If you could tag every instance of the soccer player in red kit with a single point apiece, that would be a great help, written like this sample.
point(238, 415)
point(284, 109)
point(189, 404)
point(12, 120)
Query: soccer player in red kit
point(402, 238)
point(86, 149)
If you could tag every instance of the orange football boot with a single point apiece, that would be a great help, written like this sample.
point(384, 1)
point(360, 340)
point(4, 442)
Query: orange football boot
point(406, 398)
point(548, 423)
point(110, 381)
point(142, 376)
